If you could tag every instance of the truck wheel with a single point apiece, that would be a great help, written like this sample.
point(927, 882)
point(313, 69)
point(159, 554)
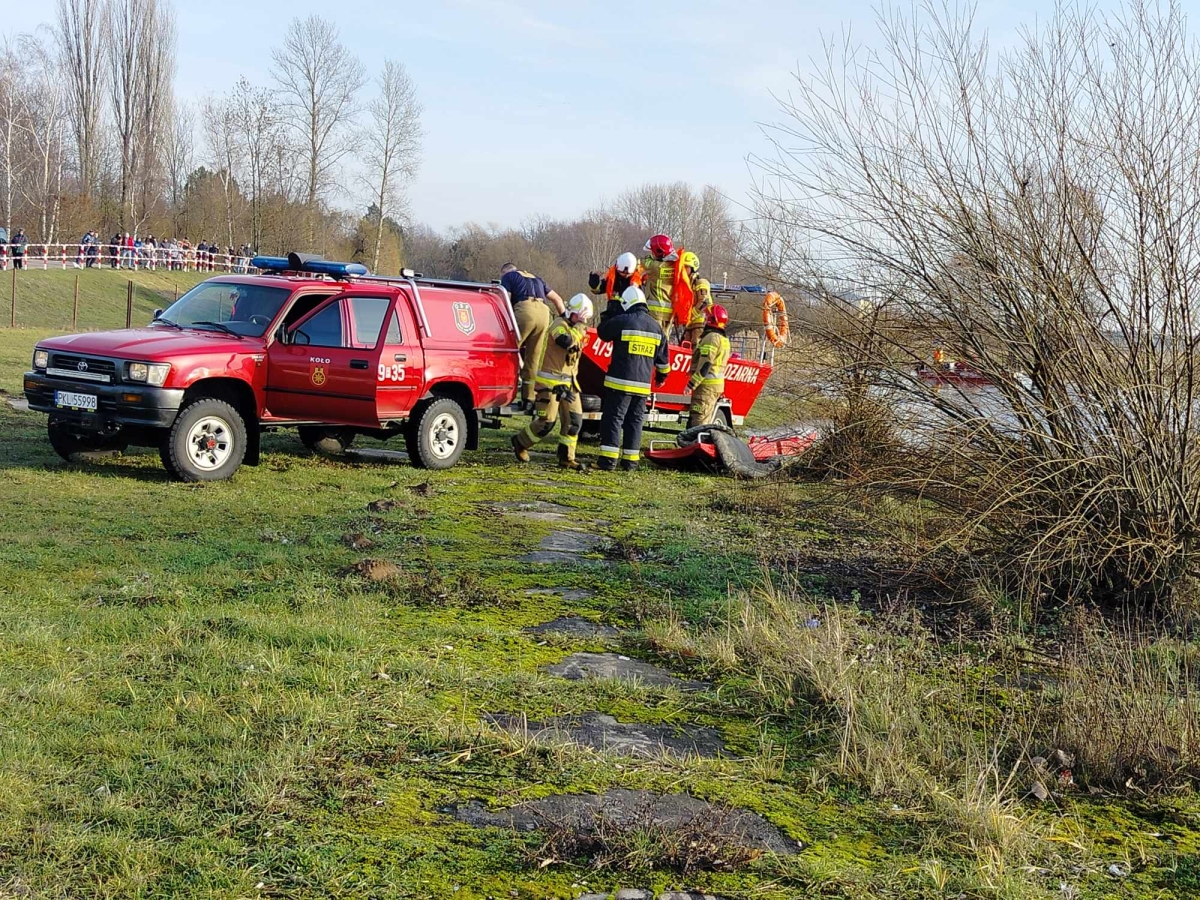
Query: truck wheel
point(439, 435)
point(329, 441)
point(206, 442)
point(68, 444)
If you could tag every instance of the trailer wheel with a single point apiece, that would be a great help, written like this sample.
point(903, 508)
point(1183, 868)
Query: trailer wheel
point(326, 441)
point(438, 436)
point(207, 441)
point(68, 444)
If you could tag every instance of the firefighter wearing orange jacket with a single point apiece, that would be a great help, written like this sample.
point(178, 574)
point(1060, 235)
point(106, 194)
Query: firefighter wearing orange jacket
point(625, 272)
point(708, 368)
point(558, 395)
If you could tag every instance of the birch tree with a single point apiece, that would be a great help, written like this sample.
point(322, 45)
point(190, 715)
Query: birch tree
point(318, 79)
point(226, 152)
point(391, 146)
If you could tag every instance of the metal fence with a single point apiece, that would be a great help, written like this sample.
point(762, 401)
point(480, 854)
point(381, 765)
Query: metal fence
point(178, 258)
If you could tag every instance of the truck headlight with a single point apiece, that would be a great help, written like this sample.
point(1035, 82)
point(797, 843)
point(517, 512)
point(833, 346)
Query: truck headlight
point(41, 359)
point(151, 373)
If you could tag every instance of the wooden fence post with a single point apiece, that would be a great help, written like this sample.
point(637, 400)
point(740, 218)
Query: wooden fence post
point(75, 308)
point(14, 298)
point(129, 305)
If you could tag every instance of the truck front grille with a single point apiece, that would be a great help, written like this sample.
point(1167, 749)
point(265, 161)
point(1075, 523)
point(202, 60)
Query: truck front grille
point(82, 368)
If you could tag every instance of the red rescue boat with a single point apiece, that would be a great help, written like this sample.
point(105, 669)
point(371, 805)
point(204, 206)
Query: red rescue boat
point(953, 373)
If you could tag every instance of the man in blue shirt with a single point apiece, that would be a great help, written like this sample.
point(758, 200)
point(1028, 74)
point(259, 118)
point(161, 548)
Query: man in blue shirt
point(529, 295)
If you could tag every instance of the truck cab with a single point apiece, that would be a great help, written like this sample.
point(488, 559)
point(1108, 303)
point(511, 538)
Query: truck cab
point(322, 347)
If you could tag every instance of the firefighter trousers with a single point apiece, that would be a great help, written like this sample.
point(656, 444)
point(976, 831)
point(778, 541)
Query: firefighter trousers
point(621, 418)
point(704, 404)
point(548, 409)
point(533, 321)
point(663, 315)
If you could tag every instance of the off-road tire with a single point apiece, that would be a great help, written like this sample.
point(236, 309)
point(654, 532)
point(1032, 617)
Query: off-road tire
point(326, 441)
point(204, 418)
point(438, 435)
point(69, 444)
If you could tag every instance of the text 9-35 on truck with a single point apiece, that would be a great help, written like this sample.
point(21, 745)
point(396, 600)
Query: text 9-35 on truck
point(316, 345)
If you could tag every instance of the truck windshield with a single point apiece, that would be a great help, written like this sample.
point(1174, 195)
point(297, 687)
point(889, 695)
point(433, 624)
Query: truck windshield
point(245, 309)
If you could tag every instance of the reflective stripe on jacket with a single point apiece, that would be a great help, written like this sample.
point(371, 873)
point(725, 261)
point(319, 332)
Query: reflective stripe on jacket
point(639, 350)
point(712, 348)
point(658, 281)
point(560, 365)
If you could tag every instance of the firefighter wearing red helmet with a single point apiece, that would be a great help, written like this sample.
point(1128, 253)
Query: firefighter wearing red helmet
point(658, 279)
point(709, 357)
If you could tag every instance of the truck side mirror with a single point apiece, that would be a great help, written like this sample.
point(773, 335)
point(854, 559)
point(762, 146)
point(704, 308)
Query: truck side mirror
point(158, 314)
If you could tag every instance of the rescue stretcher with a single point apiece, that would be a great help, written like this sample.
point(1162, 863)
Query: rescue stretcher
point(716, 449)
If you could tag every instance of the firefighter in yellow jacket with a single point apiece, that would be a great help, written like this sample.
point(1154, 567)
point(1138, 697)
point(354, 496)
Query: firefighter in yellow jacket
point(558, 397)
point(702, 303)
point(658, 279)
point(708, 368)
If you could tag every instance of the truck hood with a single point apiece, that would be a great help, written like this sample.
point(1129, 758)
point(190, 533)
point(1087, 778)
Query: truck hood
point(151, 344)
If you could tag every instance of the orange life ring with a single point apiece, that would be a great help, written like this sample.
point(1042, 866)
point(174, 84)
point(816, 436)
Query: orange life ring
point(775, 317)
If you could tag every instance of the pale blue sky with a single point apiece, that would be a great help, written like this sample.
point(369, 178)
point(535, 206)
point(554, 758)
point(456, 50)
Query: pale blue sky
point(546, 107)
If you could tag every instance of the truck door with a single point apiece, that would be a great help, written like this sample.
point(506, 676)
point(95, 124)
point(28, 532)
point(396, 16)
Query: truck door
point(325, 369)
point(401, 366)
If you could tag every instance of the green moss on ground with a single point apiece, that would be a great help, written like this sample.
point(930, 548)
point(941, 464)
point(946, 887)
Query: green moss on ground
point(197, 702)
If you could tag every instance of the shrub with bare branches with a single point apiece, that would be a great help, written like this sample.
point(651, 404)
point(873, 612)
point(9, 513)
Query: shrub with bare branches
point(1033, 213)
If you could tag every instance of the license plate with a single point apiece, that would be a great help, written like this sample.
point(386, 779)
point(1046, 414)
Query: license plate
point(71, 400)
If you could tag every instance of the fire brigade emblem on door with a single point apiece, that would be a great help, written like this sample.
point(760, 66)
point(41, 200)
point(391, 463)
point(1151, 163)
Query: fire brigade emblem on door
point(318, 375)
point(464, 318)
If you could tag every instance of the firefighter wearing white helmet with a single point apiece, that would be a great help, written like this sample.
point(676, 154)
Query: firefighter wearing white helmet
point(639, 362)
point(624, 273)
point(558, 398)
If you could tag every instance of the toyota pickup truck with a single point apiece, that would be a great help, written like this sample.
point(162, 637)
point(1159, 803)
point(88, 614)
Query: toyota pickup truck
point(307, 343)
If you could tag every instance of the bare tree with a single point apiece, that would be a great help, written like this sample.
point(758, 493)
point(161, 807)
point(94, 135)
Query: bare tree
point(11, 112)
point(391, 145)
point(318, 79)
point(258, 127)
point(140, 58)
point(42, 124)
point(81, 49)
point(225, 149)
point(157, 76)
point(602, 239)
point(177, 154)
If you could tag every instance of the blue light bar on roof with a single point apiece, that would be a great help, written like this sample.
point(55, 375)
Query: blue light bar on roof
point(298, 262)
point(335, 269)
point(739, 288)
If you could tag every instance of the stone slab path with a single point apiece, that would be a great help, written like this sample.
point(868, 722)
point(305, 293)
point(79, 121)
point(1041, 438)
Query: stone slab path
point(618, 807)
point(580, 666)
point(605, 733)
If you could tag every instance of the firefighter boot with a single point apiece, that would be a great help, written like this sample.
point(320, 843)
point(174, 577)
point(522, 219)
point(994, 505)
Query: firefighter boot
point(629, 465)
point(520, 451)
point(566, 459)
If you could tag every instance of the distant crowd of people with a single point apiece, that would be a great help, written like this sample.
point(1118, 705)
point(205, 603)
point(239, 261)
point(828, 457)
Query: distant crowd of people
point(127, 251)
